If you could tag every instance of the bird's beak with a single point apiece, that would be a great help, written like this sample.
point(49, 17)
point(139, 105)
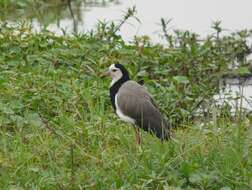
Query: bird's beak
point(105, 74)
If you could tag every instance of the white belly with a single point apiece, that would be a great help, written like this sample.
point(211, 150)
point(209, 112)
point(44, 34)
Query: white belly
point(121, 115)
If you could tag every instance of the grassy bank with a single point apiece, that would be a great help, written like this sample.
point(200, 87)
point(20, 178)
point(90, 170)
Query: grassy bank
point(58, 130)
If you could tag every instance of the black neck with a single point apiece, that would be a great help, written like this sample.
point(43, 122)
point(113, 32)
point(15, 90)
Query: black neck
point(115, 87)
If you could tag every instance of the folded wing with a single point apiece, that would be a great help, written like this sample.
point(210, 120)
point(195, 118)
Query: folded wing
point(135, 102)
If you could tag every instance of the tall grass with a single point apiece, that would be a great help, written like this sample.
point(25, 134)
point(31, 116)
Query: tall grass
point(58, 130)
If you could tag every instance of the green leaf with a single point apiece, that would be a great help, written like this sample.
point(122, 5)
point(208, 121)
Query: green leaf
point(225, 188)
point(34, 169)
point(243, 71)
point(181, 79)
point(195, 178)
point(186, 169)
point(34, 119)
point(6, 109)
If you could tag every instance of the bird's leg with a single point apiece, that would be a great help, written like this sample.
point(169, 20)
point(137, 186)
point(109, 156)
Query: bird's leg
point(138, 135)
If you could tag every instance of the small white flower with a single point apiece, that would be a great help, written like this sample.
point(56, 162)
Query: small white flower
point(50, 41)
point(16, 33)
point(64, 43)
point(24, 35)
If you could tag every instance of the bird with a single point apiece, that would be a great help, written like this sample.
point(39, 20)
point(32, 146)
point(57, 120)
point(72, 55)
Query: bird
point(133, 104)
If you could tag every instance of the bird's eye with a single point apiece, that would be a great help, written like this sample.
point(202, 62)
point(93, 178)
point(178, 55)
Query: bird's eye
point(114, 70)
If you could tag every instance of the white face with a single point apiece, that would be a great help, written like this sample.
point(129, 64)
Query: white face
point(115, 73)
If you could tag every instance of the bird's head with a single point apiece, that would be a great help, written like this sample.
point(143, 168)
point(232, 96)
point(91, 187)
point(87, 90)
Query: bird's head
point(116, 72)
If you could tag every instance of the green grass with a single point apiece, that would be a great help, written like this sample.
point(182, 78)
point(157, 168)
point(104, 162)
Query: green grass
point(58, 130)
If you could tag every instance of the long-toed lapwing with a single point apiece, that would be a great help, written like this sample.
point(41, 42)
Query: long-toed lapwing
point(133, 104)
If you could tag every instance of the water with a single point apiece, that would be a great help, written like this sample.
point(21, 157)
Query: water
point(237, 93)
point(195, 15)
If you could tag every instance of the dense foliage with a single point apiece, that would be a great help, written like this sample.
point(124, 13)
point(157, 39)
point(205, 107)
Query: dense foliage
point(58, 131)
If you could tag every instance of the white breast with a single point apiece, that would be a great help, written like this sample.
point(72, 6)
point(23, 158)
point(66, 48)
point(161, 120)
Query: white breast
point(121, 115)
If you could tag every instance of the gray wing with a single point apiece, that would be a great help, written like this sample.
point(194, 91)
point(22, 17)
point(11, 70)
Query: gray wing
point(135, 102)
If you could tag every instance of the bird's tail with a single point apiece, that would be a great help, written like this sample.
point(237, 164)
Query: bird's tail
point(162, 131)
point(157, 126)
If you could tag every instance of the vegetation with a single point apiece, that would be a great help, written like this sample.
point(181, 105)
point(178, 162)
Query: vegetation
point(58, 130)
